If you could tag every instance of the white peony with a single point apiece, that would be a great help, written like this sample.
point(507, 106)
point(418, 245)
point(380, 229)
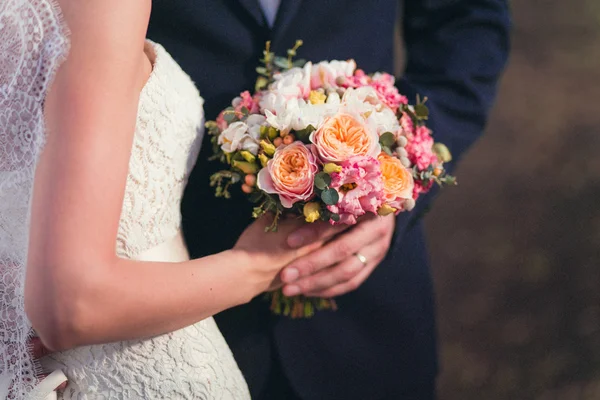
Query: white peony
point(294, 83)
point(385, 121)
point(325, 73)
point(272, 101)
point(364, 103)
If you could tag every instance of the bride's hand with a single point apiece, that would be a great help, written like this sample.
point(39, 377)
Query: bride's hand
point(269, 252)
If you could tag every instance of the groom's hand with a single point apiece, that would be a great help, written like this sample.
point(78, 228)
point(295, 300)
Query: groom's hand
point(342, 264)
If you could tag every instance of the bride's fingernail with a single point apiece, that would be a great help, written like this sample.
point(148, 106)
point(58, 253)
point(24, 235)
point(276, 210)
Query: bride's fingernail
point(290, 275)
point(291, 290)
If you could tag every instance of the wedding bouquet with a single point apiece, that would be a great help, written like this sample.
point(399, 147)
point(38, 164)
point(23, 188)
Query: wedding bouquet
point(325, 142)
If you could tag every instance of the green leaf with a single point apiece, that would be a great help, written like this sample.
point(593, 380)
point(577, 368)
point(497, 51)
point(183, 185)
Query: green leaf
point(256, 196)
point(245, 110)
point(330, 197)
point(387, 139)
point(335, 217)
point(281, 62)
point(322, 180)
point(387, 150)
point(261, 83)
point(304, 134)
point(299, 63)
point(262, 71)
point(421, 111)
point(257, 212)
point(229, 117)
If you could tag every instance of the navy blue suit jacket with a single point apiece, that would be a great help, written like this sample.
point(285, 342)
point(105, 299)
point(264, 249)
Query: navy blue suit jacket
point(382, 341)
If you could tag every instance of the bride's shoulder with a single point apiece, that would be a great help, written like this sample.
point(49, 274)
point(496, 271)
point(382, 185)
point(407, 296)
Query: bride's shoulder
point(115, 22)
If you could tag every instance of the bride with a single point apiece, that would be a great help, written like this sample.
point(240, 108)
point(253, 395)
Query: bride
point(120, 130)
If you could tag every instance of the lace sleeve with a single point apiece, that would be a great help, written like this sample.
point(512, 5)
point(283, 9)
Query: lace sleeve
point(33, 43)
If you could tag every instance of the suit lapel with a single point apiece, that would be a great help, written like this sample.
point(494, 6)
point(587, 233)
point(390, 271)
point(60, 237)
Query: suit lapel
point(253, 8)
point(285, 15)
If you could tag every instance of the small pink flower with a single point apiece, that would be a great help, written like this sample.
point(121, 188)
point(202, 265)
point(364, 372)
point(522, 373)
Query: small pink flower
point(246, 100)
point(386, 91)
point(407, 125)
point(359, 79)
point(360, 186)
point(421, 189)
point(420, 148)
point(221, 123)
point(290, 174)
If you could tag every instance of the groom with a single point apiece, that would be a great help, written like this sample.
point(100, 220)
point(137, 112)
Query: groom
point(381, 342)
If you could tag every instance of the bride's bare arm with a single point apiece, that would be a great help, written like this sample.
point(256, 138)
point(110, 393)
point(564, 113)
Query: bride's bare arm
point(77, 291)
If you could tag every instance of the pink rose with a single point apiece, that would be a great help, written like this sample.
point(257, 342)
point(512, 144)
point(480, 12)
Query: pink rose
point(360, 186)
point(290, 174)
point(343, 136)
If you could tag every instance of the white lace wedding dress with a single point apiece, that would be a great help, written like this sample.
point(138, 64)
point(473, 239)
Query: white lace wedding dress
point(191, 363)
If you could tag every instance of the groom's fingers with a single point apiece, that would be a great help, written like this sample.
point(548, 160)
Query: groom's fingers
point(339, 249)
point(343, 273)
point(347, 286)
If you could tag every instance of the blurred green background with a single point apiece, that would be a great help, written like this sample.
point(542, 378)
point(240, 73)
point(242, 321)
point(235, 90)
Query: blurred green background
point(516, 248)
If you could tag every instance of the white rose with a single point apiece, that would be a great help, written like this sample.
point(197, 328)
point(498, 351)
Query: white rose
point(237, 137)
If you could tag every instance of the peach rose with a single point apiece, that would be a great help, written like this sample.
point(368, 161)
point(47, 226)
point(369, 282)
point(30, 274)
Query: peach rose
point(343, 136)
point(290, 174)
point(398, 181)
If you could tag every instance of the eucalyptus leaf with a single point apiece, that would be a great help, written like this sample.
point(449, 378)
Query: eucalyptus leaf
point(330, 197)
point(335, 217)
point(299, 63)
point(281, 62)
point(304, 134)
point(387, 139)
point(322, 180)
point(421, 110)
point(229, 117)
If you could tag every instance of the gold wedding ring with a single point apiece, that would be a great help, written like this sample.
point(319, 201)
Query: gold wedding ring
point(361, 258)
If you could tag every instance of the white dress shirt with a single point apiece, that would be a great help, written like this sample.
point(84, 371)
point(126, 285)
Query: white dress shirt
point(270, 8)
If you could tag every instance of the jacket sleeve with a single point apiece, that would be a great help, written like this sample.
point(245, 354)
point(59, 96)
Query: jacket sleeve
point(456, 51)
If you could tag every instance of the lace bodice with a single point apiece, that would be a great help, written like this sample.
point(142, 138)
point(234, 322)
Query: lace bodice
point(167, 140)
point(191, 363)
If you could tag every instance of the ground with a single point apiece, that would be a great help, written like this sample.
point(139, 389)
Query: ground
point(516, 247)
